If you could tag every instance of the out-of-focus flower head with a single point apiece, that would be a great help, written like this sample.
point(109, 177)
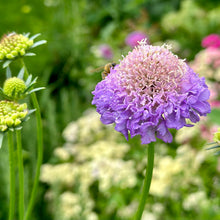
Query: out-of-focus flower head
point(105, 51)
point(207, 63)
point(15, 45)
point(16, 88)
point(150, 91)
point(217, 136)
point(134, 37)
point(11, 115)
point(212, 40)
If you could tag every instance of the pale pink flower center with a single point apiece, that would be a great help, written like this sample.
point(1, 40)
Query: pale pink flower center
point(150, 70)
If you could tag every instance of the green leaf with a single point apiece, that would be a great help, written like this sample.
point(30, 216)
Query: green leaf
point(36, 89)
point(26, 34)
point(8, 72)
point(216, 146)
point(2, 94)
point(31, 111)
point(21, 73)
point(30, 54)
point(34, 36)
point(38, 43)
point(6, 63)
point(1, 139)
point(28, 81)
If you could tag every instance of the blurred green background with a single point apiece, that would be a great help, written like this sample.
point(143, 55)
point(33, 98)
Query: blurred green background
point(74, 31)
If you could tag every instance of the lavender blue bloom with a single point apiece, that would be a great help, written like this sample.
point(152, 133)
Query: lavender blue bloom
point(150, 91)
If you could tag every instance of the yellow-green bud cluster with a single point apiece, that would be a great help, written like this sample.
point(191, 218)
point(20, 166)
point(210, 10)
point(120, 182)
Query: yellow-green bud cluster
point(14, 88)
point(11, 114)
point(217, 136)
point(13, 45)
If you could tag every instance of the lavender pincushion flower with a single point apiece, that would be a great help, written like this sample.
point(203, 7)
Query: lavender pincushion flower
point(150, 91)
point(105, 51)
point(134, 37)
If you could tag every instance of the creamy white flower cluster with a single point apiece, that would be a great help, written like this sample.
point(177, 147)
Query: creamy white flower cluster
point(92, 152)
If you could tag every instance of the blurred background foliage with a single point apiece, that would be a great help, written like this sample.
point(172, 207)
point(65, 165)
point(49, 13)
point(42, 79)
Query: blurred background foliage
point(74, 31)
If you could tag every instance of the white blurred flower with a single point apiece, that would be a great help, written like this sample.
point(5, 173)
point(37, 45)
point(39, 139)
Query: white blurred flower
point(61, 173)
point(148, 216)
point(114, 172)
point(195, 201)
point(186, 133)
point(128, 211)
point(62, 154)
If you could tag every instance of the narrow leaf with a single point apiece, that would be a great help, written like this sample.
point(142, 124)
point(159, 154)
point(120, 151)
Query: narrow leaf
point(30, 54)
point(31, 111)
point(38, 43)
point(18, 128)
point(1, 139)
point(26, 34)
point(28, 81)
point(211, 143)
point(217, 146)
point(21, 73)
point(8, 72)
point(36, 89)
point(6, 63)
point(34, 36)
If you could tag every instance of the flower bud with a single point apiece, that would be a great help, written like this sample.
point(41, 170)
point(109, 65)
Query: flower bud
point(11, 114)
point(9, 122)
point(14, 88)
point(217, 136)
point(13, 44)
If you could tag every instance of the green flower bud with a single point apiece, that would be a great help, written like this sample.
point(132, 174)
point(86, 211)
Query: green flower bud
point(9, 56)
point(22, 114)
point(22, 107)
point(3, 128)
point(12, 43)
point(11, 114)
point(14, 88)
point(14, 52)
point(9, 122)
point(17, 122)
point(217, 136)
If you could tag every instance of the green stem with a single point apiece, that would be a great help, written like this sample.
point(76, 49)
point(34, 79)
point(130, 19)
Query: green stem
point(39, 147)
point(21, 175)
point(147, 181)
point(12, 176)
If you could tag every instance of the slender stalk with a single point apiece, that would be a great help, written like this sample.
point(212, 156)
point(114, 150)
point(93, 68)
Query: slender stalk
point(147, 181)
point(39, 147)
point(12, 176)
point(21, 175)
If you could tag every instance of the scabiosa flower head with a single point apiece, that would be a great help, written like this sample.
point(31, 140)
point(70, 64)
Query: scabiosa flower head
point(13, 45)
point(11, 114)
point(105, 51)
point(150, 91)
point(212, 40)
point(14, 88)
point(134, 37)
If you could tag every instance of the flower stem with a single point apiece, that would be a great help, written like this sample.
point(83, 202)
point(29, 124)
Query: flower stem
point(12, 176)
point(39, 147)
point(21, 175)
point(147, 181)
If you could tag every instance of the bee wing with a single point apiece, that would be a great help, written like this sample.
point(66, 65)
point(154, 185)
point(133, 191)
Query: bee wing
point(97, 69)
